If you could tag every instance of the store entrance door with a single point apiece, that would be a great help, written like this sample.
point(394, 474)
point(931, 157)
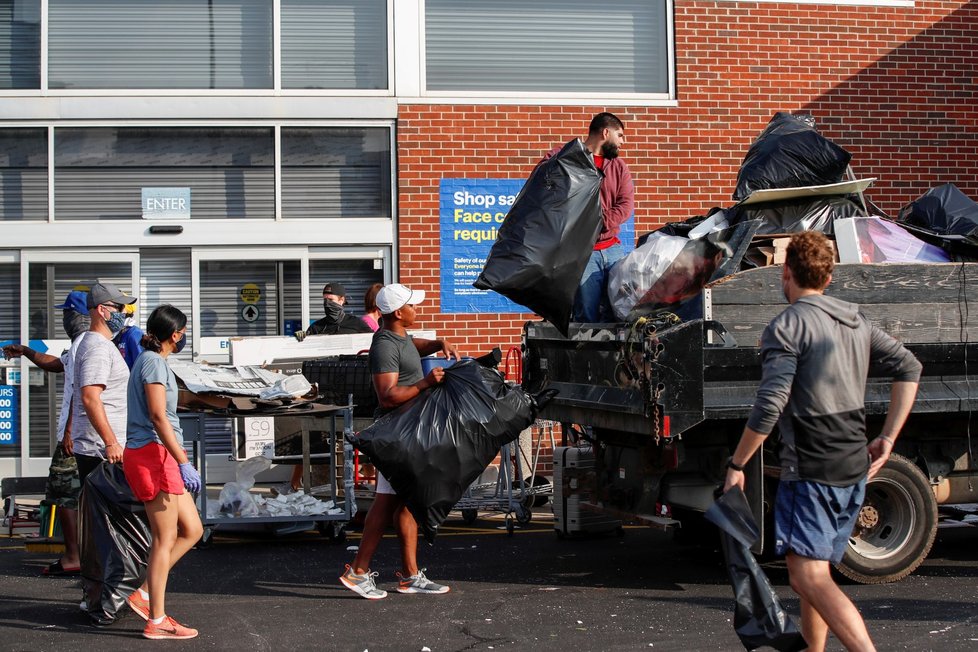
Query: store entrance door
point(246, 293)
point(46, 279)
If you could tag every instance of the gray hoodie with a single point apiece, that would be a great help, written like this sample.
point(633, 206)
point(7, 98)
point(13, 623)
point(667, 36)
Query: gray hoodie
point(816, 357)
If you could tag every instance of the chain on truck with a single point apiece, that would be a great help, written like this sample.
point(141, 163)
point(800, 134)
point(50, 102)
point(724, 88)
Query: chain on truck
point(664, 401)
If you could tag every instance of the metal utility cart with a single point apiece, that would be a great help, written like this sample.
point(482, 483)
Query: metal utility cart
point(512, 493)
point(313, 416)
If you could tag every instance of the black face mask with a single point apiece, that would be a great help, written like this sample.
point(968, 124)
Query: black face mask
point(182, 343)
point(334, 311)
point(75, 323)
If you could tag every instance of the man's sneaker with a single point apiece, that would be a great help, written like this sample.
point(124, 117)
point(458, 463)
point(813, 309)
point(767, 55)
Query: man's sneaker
point(139, 604)
point(169, 628)
point(364, 584)
point(419, 584)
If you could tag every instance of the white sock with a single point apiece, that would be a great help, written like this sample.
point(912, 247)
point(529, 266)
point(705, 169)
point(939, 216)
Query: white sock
point(143, 594)
point(157, 621)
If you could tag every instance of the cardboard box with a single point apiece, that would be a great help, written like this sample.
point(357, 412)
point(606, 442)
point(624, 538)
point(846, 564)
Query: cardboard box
point(773, 249)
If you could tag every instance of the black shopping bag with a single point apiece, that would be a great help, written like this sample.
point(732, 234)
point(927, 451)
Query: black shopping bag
point(759, 618)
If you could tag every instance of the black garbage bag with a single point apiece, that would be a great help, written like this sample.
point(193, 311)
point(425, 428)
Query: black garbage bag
point(790, 153)
point(548, 235)
point(114, 539)
point(759, 618)
point(944, 211)
point(796, 215)
point(434, 446)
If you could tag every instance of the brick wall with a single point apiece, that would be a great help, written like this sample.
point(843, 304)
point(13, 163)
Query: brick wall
point(894, 86)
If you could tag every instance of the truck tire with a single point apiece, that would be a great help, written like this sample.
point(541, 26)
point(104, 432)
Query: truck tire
point(895, 528)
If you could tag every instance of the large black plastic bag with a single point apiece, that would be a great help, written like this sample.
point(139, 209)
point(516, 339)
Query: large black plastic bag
point(114, 539)
point(790, 153)
point(548, 235)
point(759, 618)
point(434, 446)
point(944, 211)
point(796, 215)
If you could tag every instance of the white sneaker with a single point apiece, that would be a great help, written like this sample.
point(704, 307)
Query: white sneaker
point(420, 584)
point(365, 584)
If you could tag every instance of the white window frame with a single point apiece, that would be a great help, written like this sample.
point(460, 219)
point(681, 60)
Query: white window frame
point(275, 91)
point(38, 465)
point(243, 232)
point(411, 62)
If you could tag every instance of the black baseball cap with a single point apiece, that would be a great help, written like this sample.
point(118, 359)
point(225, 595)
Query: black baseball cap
point(334, 288)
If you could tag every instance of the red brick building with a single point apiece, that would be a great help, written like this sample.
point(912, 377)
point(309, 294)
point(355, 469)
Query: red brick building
point(893, 83)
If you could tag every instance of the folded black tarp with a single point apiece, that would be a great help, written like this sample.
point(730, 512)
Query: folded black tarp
point(434, 446)
point(944, 211)
point(790, 153)
point(548, 235)
point(114, 539)
point(759, 618)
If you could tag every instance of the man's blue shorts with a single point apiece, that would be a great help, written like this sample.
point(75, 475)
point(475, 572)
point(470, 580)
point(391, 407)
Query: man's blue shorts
point(815, 520)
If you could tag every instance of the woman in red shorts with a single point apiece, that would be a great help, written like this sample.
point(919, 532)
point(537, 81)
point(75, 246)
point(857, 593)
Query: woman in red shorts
point(158, 470)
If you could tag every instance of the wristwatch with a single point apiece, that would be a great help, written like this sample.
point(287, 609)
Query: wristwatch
point(732, 465)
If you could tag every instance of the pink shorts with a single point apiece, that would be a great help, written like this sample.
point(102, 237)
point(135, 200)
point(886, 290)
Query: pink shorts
point(150, 470)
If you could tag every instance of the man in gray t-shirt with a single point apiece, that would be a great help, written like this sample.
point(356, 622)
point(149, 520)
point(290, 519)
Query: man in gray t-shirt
point(395, 367)
point(98, 423)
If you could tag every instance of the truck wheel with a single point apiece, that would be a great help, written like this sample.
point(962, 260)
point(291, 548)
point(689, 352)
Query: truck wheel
point(895, 528)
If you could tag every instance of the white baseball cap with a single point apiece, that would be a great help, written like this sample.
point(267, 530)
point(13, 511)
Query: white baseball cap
point(395, 296)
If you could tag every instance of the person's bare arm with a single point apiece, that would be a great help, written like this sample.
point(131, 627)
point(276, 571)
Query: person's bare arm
point(902, 395)
point(428, 347)
point(156, 403)
point(46, 362)
point(66, 442)
point(390, 395)
point(91, 397)
point(750, 441)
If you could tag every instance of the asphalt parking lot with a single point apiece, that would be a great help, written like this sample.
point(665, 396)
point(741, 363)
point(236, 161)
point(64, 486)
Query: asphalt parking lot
point(530, 590)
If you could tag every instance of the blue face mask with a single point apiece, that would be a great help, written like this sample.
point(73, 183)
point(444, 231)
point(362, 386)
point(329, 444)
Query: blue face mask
point(116, 322)
point(181, 343)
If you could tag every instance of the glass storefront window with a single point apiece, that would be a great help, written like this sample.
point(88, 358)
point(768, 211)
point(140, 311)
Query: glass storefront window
point(336, 172)
point(556, 46)
point(192, 44)
point(20, 44)
point(230, 171)
point(334, 44)
point(23, 174)
point(9, 332)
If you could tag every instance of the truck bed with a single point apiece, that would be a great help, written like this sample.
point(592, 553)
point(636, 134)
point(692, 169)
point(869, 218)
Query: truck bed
point(613, 375)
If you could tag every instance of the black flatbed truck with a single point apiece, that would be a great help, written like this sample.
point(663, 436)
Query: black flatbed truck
point(665, 403)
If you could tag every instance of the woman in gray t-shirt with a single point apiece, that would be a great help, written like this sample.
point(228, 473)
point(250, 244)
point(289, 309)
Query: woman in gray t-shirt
point(158, 470)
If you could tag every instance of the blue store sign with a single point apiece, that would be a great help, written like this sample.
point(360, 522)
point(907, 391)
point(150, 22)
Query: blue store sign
point(8, 416)
point(472, 211)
